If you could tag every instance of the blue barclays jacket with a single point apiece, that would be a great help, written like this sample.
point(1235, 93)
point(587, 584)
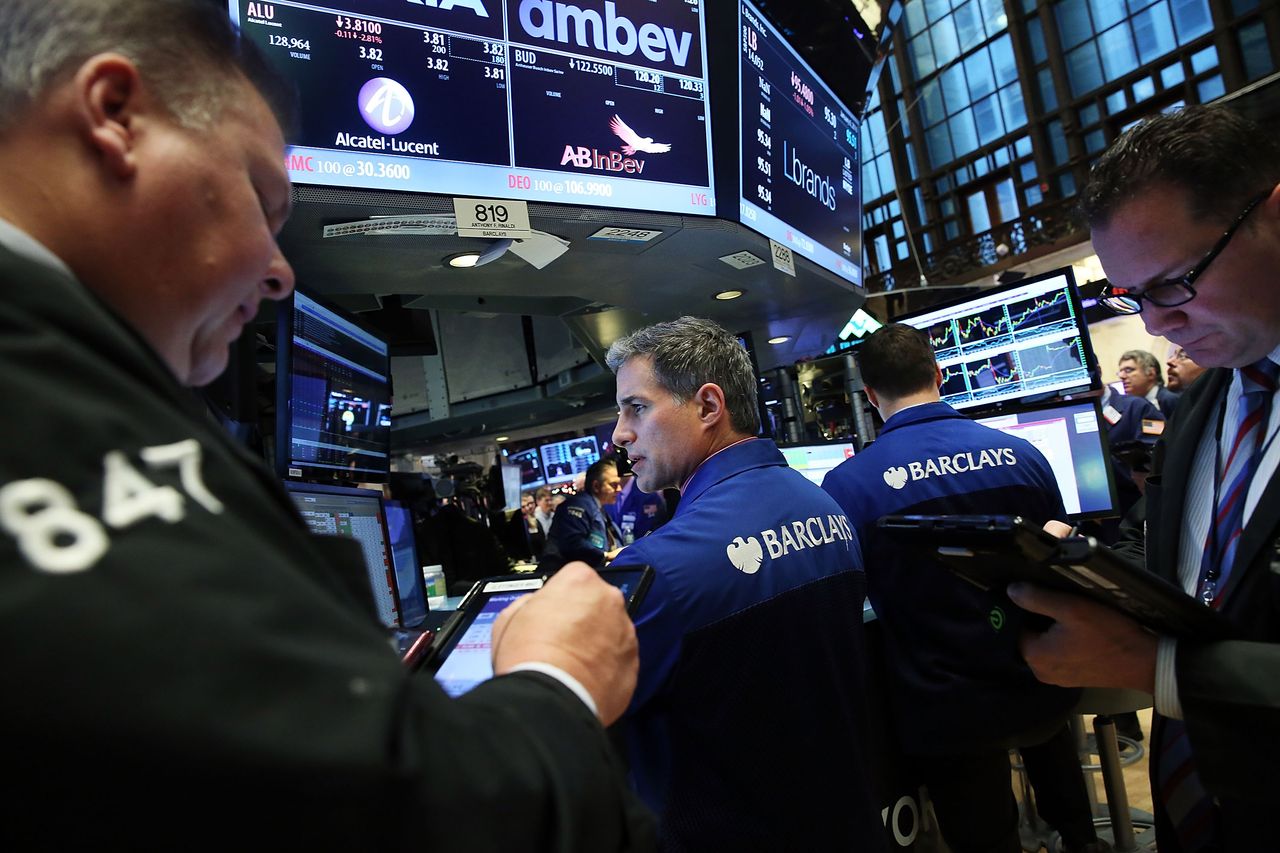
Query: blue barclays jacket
point(637, 513)
point(579, 531)
point(747, 730)
point(957, 680)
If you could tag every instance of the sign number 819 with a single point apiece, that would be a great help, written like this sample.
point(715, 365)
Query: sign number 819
point(492, 213)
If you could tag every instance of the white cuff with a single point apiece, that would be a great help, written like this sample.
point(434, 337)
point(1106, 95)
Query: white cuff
point(561, 676)
point(1167, 702)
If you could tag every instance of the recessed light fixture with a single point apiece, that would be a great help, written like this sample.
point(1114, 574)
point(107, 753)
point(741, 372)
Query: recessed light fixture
point(503, 438)
point(780, 339)
point(468, 259)
point(463, 260)
point(726, 295)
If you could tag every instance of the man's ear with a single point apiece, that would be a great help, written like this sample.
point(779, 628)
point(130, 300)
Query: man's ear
point(109, 99)
point(711, 405)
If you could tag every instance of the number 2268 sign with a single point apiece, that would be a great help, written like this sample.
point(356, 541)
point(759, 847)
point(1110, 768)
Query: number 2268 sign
point(487, 217)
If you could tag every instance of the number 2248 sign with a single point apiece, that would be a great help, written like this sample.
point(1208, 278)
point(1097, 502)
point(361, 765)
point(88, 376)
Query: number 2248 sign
point(487, 217)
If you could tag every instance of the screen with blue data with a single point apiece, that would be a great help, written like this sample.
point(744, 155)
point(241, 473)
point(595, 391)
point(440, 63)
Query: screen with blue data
point(333, 396)
point(798, 148)
point(1026, 342)
point(1070, 437)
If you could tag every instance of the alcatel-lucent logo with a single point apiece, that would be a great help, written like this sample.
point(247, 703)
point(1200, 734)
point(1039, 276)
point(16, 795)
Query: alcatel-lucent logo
point(386, 106)
point(583, 157)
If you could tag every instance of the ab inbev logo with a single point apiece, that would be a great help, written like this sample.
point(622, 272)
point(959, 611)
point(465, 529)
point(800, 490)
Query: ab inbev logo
point(583, 157)
point(386, 106)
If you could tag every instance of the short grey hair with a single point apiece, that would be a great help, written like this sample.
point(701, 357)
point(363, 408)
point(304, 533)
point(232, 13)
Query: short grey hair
point(689, 353)
point(186, 50)
point(1146, 361)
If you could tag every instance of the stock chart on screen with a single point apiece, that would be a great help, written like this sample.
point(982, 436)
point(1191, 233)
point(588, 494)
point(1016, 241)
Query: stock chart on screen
point(1023, 342)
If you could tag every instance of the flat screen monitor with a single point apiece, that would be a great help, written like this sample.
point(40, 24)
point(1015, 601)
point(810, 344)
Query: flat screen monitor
point(798, 150)
point(598, 102)
point(358, 514)
point(815, 460)
point(1023, 343)
point(564, 460)
point(334, 396)
point(404, 558)
point(529, 461)
point(1071, 438)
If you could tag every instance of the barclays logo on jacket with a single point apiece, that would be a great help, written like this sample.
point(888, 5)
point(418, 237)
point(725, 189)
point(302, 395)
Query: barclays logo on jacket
point(896, 477)
point(747, 554)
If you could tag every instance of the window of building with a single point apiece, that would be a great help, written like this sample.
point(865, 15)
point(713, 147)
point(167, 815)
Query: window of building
point(1255, 51)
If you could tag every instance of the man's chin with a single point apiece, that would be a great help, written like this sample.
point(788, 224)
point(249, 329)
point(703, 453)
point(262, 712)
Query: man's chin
point(207, 367)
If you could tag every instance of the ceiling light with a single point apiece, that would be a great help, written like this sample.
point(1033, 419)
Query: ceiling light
point(473, 258)
point(726, 295)
point(780, 339)
point(463, 260)
point(503, 438)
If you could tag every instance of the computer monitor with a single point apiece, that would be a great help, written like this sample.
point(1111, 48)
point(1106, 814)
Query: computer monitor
point(333, 390)
point(541, 101)
point(1026, 342)
point(564, 460)
point(798, 147)
point(1071, 436)
point(404, 557)
point(529, 461)
point(815, 460)
point(358, 514)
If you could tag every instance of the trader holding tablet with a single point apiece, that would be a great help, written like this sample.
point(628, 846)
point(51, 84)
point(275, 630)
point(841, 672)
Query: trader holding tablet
point(1185, 212)
point(959, 689)
point(184, 667)
point(748, 727)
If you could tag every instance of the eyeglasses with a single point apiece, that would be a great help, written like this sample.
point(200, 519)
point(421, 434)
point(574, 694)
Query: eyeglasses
point(1173, 291)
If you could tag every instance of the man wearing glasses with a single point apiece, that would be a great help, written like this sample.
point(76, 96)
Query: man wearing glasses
point(1181, 370)
point(1185, 212)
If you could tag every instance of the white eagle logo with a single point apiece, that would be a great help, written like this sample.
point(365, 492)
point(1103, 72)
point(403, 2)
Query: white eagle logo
point(633, 142)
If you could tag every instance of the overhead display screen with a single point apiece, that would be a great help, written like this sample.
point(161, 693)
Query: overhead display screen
point(1025, 342)
point(799, 153)
point(599, 102)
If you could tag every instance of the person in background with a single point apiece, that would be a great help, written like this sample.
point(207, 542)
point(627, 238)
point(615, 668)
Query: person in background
point(582, 529)
point(748, 730)
point(1182, 370)
point(636, 512)
point(1185, 216)
point(958, 688)
point(1139, 372)
point(193, 670)
point(533, 532)
point(545, 512)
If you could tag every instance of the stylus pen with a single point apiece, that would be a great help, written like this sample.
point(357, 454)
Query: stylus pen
point(1075, 530)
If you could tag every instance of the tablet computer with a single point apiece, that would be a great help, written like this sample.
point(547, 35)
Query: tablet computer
point(632, 580)
point(992, 551)
point(461, 656)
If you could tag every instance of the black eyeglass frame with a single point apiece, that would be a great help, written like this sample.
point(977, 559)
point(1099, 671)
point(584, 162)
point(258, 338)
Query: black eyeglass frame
point(1120, 300)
